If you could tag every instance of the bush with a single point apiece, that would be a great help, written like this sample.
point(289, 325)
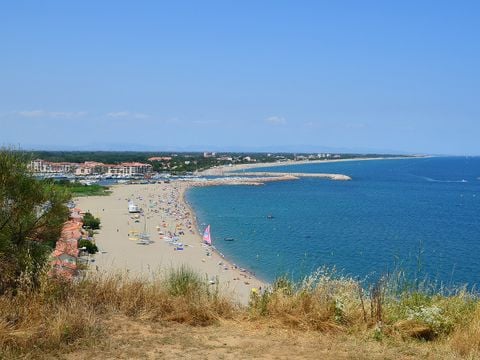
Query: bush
point(90, 246)
point(322, 301)
point(183, 281)
point(91, 222)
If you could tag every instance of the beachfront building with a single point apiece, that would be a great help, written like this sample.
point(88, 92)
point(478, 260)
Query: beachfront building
point(38, 165)
point(84, 170)
point(42, 166)
point(91, 168)
point(129, 169)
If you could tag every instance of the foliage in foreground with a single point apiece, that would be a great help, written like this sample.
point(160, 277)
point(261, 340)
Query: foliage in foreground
point(326, 301)
point(32, 214)
point(59, 316)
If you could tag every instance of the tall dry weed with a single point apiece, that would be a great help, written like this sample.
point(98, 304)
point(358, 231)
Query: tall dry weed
point(59, 315)
point(466, 339)
point(322, 301)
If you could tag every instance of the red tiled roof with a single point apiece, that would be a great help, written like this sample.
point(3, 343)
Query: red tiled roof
point(66, 247)
point(64, 264)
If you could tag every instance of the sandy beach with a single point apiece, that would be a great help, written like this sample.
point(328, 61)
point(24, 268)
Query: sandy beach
point(226, 169)
point(166, 215)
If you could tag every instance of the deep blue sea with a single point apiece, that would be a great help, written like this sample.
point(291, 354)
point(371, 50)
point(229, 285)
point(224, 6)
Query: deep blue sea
point(418, 214)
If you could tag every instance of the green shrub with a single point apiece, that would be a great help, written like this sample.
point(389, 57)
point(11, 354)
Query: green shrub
point(184, 281)
point(90, 246)
point(91, 222)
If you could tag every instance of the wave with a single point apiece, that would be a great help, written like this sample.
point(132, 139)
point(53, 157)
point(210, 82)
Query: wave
point(429, 179)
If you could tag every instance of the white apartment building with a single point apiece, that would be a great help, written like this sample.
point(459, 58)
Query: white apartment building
point(129, 168)
point(42, 166)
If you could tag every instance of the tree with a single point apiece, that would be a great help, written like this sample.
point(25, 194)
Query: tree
point(32, 214)
point(91, 222)
point(90, 247)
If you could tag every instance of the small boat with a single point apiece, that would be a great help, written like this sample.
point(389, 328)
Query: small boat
point(207, 239)
point(270, 216)
point(228, 239)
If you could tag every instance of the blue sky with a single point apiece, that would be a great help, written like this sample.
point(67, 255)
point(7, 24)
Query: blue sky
point(359, 75)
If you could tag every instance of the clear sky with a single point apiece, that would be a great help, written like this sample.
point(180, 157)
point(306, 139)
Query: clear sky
point(380, 75)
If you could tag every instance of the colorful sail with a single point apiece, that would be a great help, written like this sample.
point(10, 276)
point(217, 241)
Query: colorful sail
point(206, 236)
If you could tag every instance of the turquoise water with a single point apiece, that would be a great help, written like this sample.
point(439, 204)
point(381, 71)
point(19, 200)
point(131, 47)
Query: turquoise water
point(419, 214)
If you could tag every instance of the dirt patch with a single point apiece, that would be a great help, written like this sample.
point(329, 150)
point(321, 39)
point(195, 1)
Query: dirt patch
point(134, 339)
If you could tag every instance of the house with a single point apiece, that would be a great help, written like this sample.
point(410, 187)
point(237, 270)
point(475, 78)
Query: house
point(65, 255)
point(42, 166)
point(90, 168)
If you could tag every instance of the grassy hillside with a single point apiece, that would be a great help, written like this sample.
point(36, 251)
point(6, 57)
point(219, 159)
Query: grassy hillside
point(180, 314)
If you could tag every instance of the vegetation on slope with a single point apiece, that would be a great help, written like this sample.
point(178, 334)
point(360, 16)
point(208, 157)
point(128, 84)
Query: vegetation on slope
point(31, 217)
point(325, 301)
point(58, 317)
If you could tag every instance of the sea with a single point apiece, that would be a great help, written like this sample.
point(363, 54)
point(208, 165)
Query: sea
point(420, 215)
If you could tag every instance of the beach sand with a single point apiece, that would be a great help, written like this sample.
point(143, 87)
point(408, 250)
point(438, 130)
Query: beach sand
point(165, 213)
point(225, 169)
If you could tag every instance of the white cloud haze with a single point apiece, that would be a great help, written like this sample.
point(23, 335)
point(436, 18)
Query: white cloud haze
point(127, 114)
point(49, 114)
point(275, 120)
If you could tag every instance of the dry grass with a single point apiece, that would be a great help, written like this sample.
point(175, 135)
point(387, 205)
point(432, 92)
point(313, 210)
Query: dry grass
point(32, 321)
point(466, 339)
point(61, 317)
point(320, 302)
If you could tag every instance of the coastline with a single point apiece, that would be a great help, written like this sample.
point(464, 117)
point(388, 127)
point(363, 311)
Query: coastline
point(166, 211)
point(196, 227)
point(120, 254)
point(225, 169)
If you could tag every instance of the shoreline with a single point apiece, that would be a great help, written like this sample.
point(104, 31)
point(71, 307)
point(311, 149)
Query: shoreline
point(167, 213)
point(130, 257)
point(226, 169)
point(194, 220)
